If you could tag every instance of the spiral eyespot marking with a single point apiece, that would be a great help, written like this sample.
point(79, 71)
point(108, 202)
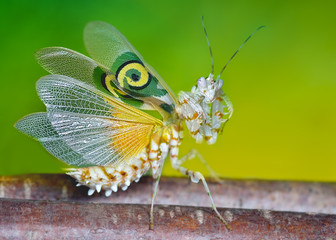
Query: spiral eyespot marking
point(134, 74)
point(107, 84)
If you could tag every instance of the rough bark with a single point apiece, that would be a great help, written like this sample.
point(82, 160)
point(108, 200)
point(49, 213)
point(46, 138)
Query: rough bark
point(51, 207)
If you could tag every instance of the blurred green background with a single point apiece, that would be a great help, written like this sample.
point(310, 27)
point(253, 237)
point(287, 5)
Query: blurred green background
point(282, 83)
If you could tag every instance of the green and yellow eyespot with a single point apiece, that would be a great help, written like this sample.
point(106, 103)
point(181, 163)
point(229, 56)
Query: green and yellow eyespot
point(134, 74)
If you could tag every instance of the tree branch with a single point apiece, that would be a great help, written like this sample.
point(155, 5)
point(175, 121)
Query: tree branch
point(51, 207)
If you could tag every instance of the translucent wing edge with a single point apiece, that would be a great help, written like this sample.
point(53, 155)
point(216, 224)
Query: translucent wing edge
point(133, 49)
point(114, 102)
point(38, 126)
point(100, 140)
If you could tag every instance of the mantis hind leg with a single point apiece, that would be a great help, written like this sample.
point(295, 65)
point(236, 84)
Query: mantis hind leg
point(193, 153)
point(151, 213)
point(196, 177)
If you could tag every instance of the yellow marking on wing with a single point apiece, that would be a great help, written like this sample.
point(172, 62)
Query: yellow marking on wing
point(130, 113)
point(100, 129)
point(144, 77)
point(130, 139)
point(111, 89)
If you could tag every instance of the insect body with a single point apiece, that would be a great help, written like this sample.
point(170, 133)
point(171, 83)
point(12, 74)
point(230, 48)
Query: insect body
point(94, 119)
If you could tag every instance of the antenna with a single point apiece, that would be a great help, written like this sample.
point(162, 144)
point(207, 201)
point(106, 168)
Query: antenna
point(240, 48)
point(206, 36)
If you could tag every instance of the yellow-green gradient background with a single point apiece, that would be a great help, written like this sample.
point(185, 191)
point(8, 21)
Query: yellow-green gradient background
point(282, 84)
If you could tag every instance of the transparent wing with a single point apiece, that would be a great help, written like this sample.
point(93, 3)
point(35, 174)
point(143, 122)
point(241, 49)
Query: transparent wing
point(101, 141)
point(38, 126)
point(103, 130)
point(64, 94)
point(59, 60)
point(105, 44)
